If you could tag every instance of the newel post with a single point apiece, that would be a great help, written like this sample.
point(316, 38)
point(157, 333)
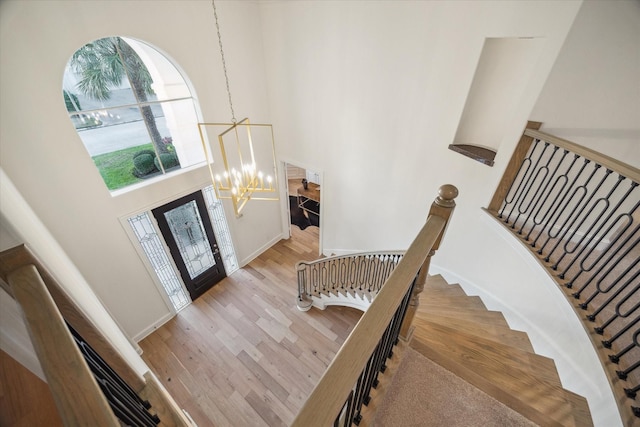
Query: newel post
point(443, 207)
point(513, 167)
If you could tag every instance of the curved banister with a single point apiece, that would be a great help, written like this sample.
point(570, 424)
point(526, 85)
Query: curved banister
point(342, 379)
point(21, 255)
point(328, 397)
point(578, 212)
point(77, 395)
point(606, 161)
point(50, 315)
point(361, 273)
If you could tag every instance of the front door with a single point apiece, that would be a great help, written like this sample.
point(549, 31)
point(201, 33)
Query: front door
point(187, 230)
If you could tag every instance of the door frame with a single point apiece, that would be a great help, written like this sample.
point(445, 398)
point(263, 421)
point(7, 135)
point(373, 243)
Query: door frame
point(286, 213)
point(197, 285)
point(124, 222)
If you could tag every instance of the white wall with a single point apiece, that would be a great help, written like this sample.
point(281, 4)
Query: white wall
point(19, 224)
point(42, 154)
point(371, 93)
point(592, 96)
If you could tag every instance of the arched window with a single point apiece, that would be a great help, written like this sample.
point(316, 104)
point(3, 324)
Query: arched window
point(132, 109)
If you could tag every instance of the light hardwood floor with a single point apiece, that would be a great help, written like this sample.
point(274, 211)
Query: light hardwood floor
point(242, 354)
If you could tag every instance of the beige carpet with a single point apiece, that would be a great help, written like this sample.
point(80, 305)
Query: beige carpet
point(424, 394)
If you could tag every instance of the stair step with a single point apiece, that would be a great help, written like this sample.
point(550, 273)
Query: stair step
point(453, 291)
point(498, 332)
point(455, 301)
point(541, 366)
point(493, 318)
point(434, 286)
point(519, 379)
point(479, 315)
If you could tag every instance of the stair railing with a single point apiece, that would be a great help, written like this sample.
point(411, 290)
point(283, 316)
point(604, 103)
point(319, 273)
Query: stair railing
point(90, 382)
point(361, 274)
point(578, 211)
point(345, 386)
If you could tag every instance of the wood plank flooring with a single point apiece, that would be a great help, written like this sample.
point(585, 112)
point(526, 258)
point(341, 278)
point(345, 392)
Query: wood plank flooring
point(242, 354)
point(25, 400)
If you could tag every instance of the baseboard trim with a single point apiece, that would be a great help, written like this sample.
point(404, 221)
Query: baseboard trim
point(255, 254)
point(150, 329)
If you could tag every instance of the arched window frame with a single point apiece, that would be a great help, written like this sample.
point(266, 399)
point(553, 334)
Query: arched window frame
point(173, 104)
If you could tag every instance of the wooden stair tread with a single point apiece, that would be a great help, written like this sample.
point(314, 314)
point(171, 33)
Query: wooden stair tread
point(514, 377)
point(467, 344)
point(494, 318)
point(438, 288)
point(478, 315)
point(436, 281)
point(455, 300)
point(499, 332)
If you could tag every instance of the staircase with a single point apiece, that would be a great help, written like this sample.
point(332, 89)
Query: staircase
point(457, 332)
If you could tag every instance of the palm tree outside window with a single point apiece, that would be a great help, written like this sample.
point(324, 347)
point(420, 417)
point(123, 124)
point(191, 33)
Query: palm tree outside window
point(132, 109)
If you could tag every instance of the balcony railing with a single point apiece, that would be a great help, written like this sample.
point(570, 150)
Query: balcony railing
point(89, 380)
point(352, 280)
point(344, 388)
point(578, 211)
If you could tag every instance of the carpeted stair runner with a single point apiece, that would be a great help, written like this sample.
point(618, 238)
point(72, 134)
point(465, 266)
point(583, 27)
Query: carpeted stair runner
point(422, 393)
point(465, 367)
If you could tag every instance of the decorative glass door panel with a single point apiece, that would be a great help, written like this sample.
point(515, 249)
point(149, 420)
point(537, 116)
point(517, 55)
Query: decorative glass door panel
point(187, 230)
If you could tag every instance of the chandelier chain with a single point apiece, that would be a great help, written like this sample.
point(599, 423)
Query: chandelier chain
point(224, 63)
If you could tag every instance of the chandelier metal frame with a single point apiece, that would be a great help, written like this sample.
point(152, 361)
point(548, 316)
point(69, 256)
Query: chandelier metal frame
point(244, 180)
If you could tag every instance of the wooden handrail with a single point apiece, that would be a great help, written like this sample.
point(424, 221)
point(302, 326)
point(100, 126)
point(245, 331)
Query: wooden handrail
point(513, 167)
point(45, 318)
point(77, 395)
point(606, 161)
point(18, 256)
point(577, 213)
point(328, 397)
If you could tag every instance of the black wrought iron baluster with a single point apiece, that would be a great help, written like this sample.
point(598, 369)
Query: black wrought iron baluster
point(125, 408)
point(333, 274)
point(543, 176)
point(574, 203)
point(379, 263)
point(365, 268)
point(526, 185)
point(123, 400)
point(348, 410)
point(523, 171)
point(315, 279)
point(353, 270)
point(632, 392)
point(620, 256)
point(400, 315)
point(563, 200)
point(632, 293)
point(612, 254)
point(597, 224)
point(567, 230)
point(615, 358)
point(600, 329)
point(362, 388)
point(386, 269)
point(302, 284)
point(543, 194)
point(343, 274)
point(625, 373)
point(609, 343)
point(324, 277)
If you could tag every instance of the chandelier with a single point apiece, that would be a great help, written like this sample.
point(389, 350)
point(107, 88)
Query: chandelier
point(248, 170)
